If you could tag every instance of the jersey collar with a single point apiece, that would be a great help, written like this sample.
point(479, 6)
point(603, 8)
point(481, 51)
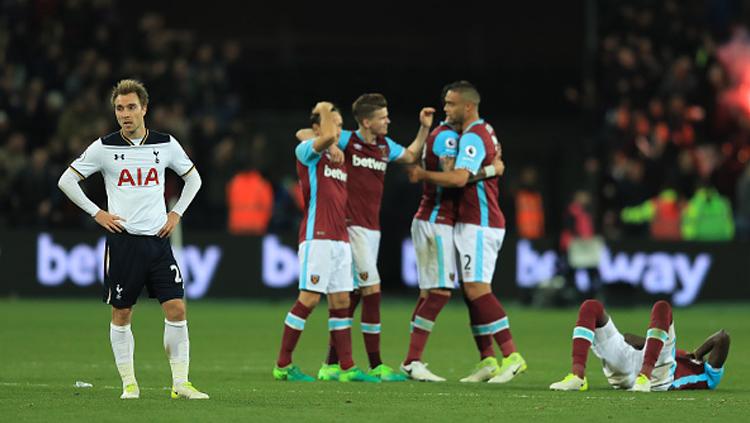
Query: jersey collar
point(476, 122)
point(132, 142)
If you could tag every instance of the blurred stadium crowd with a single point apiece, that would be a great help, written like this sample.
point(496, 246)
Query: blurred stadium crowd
point(669, 106)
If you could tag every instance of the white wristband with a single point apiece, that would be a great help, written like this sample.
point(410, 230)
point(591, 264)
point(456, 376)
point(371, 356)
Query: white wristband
point(489, 171)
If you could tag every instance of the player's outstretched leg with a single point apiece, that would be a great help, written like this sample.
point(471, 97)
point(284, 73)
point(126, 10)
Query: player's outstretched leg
point(656, 336)
point(123, 345)
point(177, 347)
point(294, 324)
point(590, 316)
point(423, 324)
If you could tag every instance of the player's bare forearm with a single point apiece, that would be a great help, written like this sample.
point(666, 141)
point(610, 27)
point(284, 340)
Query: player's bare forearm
point(414, 150)
point(717, 346)
point(457, 178)
point(305, 134)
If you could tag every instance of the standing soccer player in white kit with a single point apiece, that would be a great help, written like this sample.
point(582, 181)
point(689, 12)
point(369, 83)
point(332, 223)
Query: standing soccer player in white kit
point(133, 162)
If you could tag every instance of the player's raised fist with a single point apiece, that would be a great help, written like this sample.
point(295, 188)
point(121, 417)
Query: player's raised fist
point(323, 106)
point(425, 116)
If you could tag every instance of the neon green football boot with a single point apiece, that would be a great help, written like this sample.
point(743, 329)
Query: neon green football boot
point(356, 375)
point(571, 382)
point(387, 374)
point(329, 372)
point(291, 373)
point(513, 365)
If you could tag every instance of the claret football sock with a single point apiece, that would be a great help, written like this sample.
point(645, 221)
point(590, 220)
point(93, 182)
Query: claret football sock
point(491, 320)
point(483, 340)
point(340, 327)
point(423, 324)
point(420, 301)
point(371, 327)
point(657, 335)
point(123, 345)
point(591, 312)
point(294, 324)
point(177, 347)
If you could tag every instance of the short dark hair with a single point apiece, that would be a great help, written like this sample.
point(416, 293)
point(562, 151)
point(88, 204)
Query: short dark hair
point(367, 104)
point(127, 86)
point(315, 117)
point(466, 89)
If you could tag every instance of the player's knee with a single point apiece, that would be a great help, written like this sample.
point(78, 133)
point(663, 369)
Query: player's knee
point(662, 306)
point(474, 290)
point(121, 316)
point(440, 291)
point(309, 299)
point(369, 290)
point(593, 306)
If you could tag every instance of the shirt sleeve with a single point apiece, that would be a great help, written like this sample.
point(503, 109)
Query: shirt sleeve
point(89, 162)
point(344, 139)
point(446, 144)
point(306, 154)
point(471, 153)
point(396, 151)
point(178, 159)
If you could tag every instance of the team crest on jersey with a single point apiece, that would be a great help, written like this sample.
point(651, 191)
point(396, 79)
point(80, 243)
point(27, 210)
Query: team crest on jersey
point(156, 156)
point(471, 151)
point(452, 276)
point(363, 276)
point(314, 279)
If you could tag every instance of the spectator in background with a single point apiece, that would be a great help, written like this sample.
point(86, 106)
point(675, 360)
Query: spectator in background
point(743, 205)
point(250, 203)
point(663, 213)
point(34, 190)
point(529, 206)
point(708, 216)
point(579, 245)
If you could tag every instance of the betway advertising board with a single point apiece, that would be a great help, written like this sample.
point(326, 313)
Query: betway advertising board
point(62, 263)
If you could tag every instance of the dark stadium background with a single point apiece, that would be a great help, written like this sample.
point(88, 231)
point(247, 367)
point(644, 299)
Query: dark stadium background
point(549, 88)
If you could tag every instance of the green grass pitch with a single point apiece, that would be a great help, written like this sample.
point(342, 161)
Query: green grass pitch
point(46, 346)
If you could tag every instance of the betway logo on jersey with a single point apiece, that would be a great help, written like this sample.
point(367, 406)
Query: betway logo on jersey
point(136, 178)
point(657, 273)
point(368, 162)
point(334, 173)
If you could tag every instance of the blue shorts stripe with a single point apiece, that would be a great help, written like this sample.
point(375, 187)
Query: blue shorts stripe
point(442, 283)
point(478, 258)
point(303, 273)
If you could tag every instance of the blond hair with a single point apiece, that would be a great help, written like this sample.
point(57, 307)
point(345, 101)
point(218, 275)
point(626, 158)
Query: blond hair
point(127, 86)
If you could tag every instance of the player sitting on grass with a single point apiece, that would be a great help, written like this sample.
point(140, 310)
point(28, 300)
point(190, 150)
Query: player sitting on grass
point(642, 364)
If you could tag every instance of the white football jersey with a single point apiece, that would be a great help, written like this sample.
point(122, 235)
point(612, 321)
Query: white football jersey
point(133, 173)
